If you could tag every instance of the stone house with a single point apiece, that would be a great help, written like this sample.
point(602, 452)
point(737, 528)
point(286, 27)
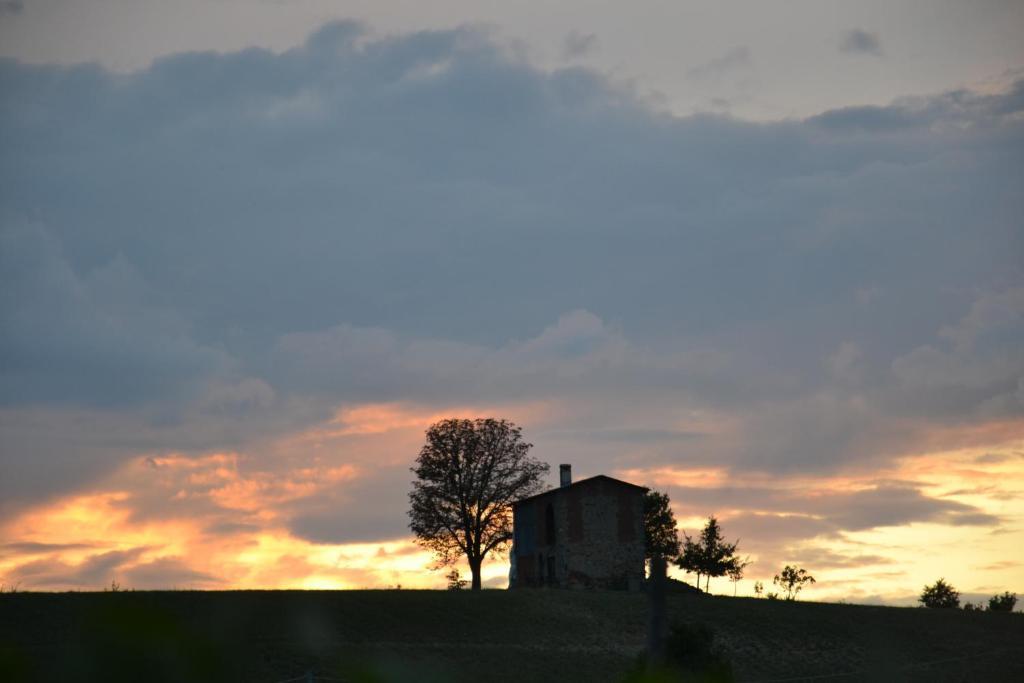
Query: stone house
point(584, 534)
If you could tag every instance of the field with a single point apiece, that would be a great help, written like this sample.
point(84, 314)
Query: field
point(402, 635)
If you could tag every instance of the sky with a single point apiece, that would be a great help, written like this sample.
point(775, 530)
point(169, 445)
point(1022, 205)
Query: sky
point(767, 257)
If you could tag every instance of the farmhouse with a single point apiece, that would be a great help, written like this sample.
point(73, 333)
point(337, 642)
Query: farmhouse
point(587, 534)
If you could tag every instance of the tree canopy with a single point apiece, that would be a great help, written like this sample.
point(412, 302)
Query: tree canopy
point(709, 556)
point(792, 580)
point(468, 474)
point(661, 538)
point(940, 595)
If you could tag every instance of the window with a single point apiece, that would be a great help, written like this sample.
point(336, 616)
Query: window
point(549, 524)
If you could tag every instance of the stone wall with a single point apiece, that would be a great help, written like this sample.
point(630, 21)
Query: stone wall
point(597, 542)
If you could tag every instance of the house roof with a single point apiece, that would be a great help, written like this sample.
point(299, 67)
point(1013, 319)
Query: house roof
point(581, 482)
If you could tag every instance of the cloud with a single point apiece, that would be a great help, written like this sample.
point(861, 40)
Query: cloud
point(94, 573)
point(167, 572)
point(223, 253)
point(578, 45)
point(376, 364)
point(13, 7)
point(36, 548)
point(734, 59)
point(977, 365)
point(97, 336)
point(998, 566)
point(859, 41)
point(772, 514)
point(822, 558)
point(992, 458)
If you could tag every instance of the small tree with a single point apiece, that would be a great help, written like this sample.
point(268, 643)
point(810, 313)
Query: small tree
point(735, 572)
point(940, 595)
point(758, 589)
point(792, 580)
point(1002, 603)
point(660, 535)
point(709, 556)
point(455, 581)
point(468, 474)
point(691, 559)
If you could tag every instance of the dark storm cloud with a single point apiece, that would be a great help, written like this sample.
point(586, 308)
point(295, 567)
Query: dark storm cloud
point(859, 41)
point(222, 247)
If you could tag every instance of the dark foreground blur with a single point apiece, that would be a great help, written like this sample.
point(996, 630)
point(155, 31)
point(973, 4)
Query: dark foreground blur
point(540, 635)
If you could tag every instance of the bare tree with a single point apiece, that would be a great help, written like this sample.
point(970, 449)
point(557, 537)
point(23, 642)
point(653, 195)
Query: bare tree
point(468, 474)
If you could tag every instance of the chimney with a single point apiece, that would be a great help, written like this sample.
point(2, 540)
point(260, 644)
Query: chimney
point(565, 475)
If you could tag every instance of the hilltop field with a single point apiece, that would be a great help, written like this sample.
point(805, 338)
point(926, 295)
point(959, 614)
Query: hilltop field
point(402, 635)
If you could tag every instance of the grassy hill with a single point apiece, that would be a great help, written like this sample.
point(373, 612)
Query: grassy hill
point(492, 636)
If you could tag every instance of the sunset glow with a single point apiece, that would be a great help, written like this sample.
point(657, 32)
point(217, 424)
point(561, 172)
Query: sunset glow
point(222, 519)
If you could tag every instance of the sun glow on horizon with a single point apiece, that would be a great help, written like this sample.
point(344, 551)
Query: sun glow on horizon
point(222, 520)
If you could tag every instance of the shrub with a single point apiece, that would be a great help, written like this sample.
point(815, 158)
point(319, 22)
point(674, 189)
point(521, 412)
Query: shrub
point(1002, 603)
point(690, 649)
point(940, 595)
point(455, 582)
point(690, 656)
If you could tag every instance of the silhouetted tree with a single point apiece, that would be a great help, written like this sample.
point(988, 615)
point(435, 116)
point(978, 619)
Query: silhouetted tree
point(735, 571)
point(792, 580)
point(1002, 603)
point(709, 556)
point(455, 581)
point(660, 535)
point(691, 559)
point(758, 589)
point(940, 595)
point(468, 474)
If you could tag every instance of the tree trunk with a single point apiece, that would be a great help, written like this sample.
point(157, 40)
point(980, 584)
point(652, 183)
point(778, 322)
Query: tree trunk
point(474, 568)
